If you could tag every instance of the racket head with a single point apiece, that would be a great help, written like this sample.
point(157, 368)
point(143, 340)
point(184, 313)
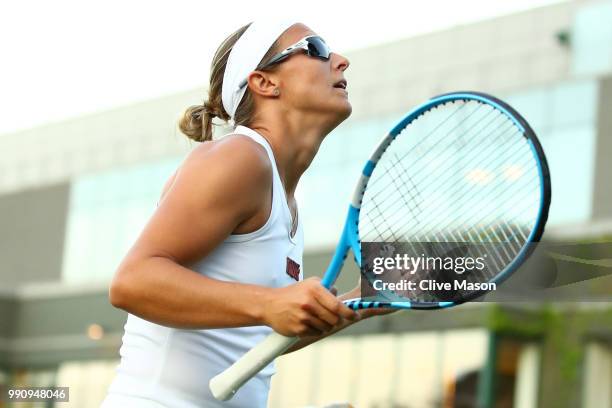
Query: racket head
point(501, 155)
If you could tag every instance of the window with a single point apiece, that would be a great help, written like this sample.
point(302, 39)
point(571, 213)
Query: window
point(107, 212)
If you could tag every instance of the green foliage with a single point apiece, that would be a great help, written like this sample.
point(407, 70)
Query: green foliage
point(561, 330)
point(529, 325)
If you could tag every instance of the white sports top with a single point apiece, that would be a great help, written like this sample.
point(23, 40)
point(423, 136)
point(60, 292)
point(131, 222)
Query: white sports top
point(168, 367)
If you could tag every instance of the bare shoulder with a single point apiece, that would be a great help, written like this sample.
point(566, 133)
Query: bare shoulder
point(233, 146)
point(234, 155)
point(236, 162)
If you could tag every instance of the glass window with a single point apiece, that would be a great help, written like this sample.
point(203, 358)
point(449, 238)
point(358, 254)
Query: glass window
point(592, 39)
point(533, 106)
point(570, 152)
point(107, 212)
point(574, 103)
point(564, 118)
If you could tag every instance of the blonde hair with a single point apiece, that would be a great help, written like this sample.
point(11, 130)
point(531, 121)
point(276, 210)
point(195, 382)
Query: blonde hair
point(197, 120)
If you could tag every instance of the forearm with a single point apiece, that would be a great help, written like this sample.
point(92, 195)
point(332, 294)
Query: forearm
point(169, 294)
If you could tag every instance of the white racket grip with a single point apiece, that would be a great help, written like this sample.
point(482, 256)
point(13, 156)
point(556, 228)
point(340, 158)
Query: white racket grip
point(223, 386)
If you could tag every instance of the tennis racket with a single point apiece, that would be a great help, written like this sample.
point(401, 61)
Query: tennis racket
point(463, 170)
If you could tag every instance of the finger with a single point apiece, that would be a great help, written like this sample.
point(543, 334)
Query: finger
point(319, 311)
point(335, 306)
point(318, 324)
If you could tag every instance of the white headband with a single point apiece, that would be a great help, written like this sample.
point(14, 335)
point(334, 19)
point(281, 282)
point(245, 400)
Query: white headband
point(244, 58)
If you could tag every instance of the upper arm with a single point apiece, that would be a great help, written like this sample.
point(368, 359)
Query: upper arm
point(167, 186)
point(219, 186)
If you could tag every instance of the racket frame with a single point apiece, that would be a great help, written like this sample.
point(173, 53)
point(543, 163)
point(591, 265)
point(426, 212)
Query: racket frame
point(350, 233)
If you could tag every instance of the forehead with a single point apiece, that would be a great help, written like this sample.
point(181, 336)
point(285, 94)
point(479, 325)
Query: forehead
point(293, 34)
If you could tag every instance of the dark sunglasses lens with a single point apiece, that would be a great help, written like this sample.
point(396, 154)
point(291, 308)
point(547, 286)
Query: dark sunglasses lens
point(317, 48)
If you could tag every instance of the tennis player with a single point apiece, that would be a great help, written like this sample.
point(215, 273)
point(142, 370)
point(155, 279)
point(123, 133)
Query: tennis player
point(219, 264)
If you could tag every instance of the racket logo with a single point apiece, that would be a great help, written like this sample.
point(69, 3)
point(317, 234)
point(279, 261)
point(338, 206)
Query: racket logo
point(293, 269)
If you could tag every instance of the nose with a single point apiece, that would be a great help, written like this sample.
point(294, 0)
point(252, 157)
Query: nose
point(340, 62)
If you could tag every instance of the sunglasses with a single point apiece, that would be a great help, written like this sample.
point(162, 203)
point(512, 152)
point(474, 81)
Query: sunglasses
point(313, 45)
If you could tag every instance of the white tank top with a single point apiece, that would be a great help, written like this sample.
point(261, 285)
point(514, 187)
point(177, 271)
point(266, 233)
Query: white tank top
point(168, 367)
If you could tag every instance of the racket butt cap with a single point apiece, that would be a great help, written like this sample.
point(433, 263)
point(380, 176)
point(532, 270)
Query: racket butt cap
point(221, 389)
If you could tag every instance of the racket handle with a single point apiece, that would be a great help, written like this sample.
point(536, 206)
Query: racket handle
point(223, 386)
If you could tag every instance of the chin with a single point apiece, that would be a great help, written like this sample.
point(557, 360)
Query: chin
point(345, 110)
point(341, 113)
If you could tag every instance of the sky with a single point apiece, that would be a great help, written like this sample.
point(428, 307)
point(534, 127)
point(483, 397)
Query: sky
point(65, 58)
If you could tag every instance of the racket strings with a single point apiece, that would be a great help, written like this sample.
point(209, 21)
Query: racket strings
point(402, 179)
point(372, 183)
point(477, 214)
point(414, 209)
point(451, 233)
point(421, 155)
point(385, 189)
point(390, 207)
point(396, 216)
point(502, 195)
point(447, 179)
point(379, 215)
point(388, 141)
point(414, 197)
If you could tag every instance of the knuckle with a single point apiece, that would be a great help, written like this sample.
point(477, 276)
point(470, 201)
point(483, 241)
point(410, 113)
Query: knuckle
point(306, 306)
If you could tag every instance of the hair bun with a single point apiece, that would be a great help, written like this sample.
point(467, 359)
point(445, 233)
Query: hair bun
point(211, 110)
point(197, 121)
point(197, 111)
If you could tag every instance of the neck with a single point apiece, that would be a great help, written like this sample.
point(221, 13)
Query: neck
point(295, 140)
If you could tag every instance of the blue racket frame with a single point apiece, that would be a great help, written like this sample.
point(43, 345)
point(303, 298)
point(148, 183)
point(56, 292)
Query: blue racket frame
point(350, 233)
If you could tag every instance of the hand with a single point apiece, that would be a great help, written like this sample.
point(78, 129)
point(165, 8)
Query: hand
point(355, 293)
point(304, 309)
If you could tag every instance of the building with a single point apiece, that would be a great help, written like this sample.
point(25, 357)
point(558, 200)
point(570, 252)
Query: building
point(75, 194)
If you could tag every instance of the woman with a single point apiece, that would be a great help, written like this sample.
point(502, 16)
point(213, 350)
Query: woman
point(230, 216)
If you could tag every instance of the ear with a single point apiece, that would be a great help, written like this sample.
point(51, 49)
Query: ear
point(263, 83)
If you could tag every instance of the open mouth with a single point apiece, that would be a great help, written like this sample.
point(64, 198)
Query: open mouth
point(340, 84)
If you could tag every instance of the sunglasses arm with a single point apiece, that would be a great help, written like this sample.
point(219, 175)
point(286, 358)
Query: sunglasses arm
point(302, 44)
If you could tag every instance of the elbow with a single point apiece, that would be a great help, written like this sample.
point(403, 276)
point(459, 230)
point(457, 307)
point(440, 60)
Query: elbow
point(116, 294)
point(119, 291)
